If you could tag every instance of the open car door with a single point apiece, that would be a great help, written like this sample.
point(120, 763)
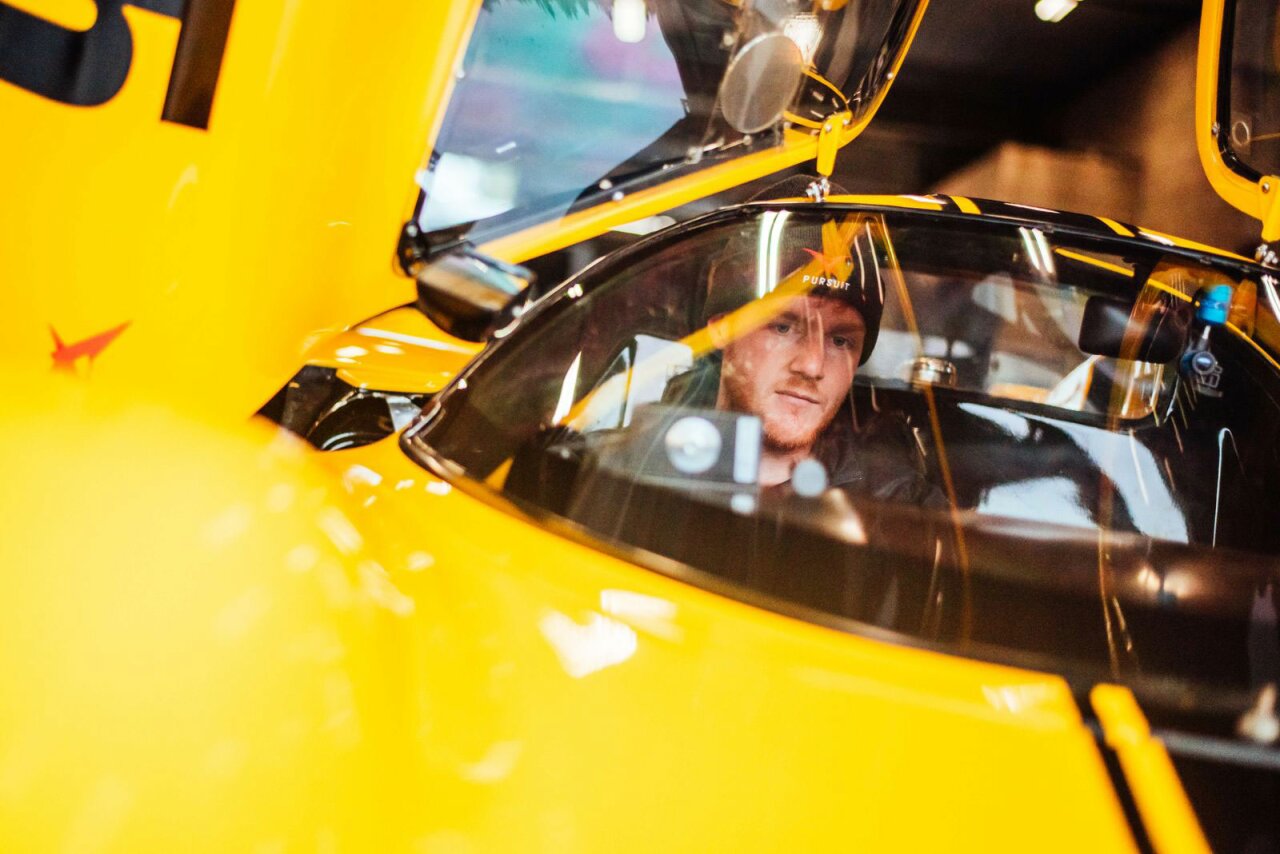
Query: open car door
point(204, 186)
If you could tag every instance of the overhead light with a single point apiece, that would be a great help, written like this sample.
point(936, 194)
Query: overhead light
point(629, 20)
point(1054, 11)
point(806, 32)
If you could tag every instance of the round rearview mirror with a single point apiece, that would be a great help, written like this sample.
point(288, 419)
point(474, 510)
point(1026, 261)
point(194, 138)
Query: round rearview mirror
point(761, 82)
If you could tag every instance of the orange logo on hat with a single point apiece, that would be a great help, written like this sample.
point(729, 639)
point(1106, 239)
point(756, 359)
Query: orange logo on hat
point(831, 265)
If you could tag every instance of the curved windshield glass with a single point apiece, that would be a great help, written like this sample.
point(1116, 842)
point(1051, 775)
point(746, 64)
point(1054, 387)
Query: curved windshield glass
point(1252, 35)
point(560, 104)
point(984, 435)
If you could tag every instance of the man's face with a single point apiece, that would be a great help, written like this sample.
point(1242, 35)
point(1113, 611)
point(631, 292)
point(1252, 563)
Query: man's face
point(794, 371)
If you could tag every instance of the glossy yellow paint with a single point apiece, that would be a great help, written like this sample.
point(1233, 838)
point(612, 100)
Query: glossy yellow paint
point(1261, 199)
point(351, 659)
point(224, 249)
point(78, 15)
point(399, 350)
point(829, 142)
point(223, 642)
point(592, 704)
point(1166, 813)
point(199, 651)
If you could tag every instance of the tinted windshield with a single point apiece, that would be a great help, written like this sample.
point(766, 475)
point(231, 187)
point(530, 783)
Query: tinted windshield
point(970, 433)
point(562, 103)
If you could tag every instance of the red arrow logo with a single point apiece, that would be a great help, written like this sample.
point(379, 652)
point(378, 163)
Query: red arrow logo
point(65, 355)
point(830, 264)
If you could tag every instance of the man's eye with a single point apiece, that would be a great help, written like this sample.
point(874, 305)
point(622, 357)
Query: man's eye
point(842, 342)
point(782, 327)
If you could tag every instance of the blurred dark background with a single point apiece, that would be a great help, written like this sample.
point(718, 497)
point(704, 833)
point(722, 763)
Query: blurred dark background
point(1093, 113)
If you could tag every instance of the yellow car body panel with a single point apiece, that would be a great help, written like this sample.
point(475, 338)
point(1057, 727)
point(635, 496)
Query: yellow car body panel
point(321, 671)
point(238, 644)
point(597, 706)
point(198, 262)
point(1160, 798)
point(199, 650)
point(216, 252)
point(396, 351)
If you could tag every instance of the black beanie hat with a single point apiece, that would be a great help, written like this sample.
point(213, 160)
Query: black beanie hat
point(831, 258)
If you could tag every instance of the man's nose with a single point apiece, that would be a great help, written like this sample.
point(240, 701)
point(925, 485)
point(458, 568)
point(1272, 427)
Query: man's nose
point(809, 357)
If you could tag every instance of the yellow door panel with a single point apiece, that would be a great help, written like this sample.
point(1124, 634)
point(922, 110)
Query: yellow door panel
point(219, 250)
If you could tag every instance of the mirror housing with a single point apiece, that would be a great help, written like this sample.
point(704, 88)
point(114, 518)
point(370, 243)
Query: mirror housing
point(470, 295)
point(1107, 320)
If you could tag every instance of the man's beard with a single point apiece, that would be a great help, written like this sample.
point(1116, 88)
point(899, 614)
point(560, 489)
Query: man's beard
point(785, 444)
point(775, 440)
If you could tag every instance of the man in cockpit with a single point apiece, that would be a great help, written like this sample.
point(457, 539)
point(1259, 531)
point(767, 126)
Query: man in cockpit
point(794, 372)
point(790, 356)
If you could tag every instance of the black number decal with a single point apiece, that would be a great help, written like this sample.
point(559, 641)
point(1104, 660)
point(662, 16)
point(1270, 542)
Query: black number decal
point(88, 68)
point(197, 62)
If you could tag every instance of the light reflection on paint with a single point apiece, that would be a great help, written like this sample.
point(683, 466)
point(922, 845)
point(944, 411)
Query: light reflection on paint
point(625, 603)
point(1019, 698)
point(238, 617)
point(301, 558)
point(649, 614)
point(496, 764)
point(413, 340)
point(362, 475)
point(280, 497)
point(418, 561)
point(338, 528)
point(228, 526)
point(378, 585)
point(586, 649)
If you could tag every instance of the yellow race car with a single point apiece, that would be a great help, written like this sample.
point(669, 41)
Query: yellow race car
point(823, 522)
